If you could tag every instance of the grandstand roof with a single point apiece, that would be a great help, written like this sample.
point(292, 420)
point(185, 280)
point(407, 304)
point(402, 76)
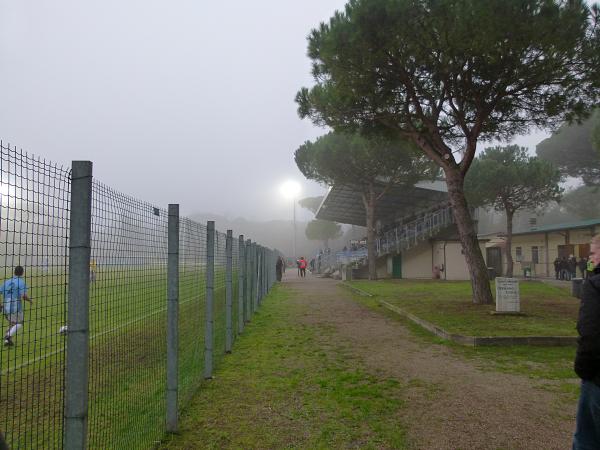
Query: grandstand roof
point(343, 204)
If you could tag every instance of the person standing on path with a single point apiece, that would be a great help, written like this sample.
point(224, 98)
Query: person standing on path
point(14, 291)
point(279, 268)
point(302, 266)
point(564, 269)
point(572, 267)
point(557, 268)
point(587, 359)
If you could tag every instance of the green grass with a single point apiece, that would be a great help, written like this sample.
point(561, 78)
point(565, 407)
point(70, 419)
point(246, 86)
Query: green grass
point(549, 310)
point(127, 356)
point(290, 385)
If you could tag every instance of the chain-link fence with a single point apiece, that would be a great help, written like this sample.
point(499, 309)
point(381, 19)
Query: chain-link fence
point(114, 310)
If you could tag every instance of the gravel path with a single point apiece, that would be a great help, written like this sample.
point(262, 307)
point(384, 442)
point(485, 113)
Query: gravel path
point(451, 404)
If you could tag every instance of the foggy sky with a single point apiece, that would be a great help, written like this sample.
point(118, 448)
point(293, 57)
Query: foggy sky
point(186, 102)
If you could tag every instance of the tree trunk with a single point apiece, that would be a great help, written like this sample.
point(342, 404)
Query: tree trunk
point(370, 200)
point(480, 283)
point(508, 248)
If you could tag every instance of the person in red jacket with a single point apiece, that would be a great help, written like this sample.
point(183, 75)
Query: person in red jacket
point(302, 266)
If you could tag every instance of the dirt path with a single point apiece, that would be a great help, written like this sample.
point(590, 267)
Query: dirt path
point(451, 403)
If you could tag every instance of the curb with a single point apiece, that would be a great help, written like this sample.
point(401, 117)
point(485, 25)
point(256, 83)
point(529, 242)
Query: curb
point(479, 341)
point(356, 290)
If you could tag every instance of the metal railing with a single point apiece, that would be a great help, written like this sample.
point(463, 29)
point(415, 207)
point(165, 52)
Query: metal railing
point(412, 233)
point(132, 308)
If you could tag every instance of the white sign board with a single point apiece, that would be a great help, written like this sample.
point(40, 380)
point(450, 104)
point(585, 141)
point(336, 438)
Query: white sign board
point(507, 295)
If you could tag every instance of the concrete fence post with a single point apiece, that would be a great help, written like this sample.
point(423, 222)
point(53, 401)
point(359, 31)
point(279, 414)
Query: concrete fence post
point(210, 290)
point(229, 291)
point(241, 275)
point(77, 370)
point(173, 319)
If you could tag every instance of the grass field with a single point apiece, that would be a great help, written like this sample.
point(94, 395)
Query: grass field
point(127, 357)
point(549, 310)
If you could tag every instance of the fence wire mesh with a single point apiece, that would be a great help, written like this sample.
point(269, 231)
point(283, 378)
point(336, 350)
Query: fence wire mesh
point(127, 321)
point(127, 308)
point(219, 299)
point(34, 225)
point(192, 306)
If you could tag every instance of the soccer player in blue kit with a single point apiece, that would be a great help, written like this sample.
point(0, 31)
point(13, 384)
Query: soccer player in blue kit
point(14, 291)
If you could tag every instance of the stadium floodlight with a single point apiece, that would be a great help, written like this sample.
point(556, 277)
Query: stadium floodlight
point(290, 190)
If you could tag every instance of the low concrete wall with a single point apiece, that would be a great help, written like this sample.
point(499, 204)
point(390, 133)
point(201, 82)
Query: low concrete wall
point(479, 341)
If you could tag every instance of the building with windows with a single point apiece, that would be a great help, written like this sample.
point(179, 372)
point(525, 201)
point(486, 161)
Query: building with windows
point(535, 250)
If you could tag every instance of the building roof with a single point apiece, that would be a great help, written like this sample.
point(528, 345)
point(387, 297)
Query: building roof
point(343, 204)
point(561, 226)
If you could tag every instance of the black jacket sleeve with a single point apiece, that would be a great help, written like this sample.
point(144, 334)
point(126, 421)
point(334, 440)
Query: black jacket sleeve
point(587, 359)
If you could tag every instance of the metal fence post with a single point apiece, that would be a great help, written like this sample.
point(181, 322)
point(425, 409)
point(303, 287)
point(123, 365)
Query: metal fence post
point(272, 259)
point(265, 271)
point(254, 276)
point(210, 289)
point(272, 271)
point(258, 275)
point(248, 279)
point(263, 284)
point(76, 377)
point(241, 275)
point(172, 318)
point(228, 291)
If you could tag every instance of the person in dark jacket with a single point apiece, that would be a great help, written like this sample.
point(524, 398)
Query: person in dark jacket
point(582, 264)
point(279, 268)
point(564, 269)
point(587, 359)
point(572, 267)
point(557, 268)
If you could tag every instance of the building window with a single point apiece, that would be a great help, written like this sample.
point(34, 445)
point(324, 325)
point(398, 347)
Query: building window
point(519, 254)
point(535, 255)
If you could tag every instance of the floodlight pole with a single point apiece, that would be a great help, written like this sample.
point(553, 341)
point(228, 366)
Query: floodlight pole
point(294, 216)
